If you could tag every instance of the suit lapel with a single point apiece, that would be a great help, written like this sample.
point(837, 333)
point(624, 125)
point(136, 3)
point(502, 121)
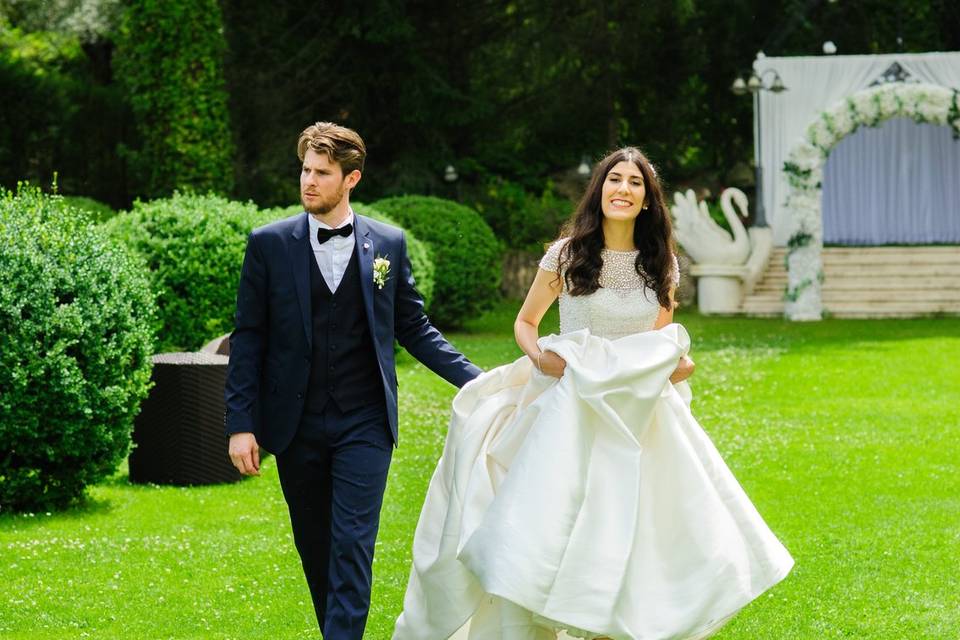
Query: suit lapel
point(365, 254)
point(300, 256)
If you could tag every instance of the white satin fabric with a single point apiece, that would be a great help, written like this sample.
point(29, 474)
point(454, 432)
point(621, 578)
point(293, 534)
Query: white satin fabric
point(593, 504)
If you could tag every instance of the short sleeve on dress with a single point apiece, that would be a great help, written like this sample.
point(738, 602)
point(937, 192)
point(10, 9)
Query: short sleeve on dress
point(551, 259)
point(675, 272)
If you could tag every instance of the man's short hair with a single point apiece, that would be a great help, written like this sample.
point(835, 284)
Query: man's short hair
point(341, 145)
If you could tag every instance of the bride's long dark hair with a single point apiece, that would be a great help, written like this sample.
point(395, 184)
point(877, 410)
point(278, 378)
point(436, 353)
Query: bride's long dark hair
point(580, 258)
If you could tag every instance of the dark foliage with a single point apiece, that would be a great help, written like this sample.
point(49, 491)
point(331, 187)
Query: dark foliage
point(517, 92)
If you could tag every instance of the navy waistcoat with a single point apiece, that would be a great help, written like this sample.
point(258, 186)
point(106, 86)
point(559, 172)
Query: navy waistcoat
point(343, 365)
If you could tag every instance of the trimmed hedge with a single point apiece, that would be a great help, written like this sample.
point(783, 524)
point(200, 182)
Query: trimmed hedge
point(75, 340)
point(465, 253)
point(420, 261)
point(193, 246)
point(169, 60)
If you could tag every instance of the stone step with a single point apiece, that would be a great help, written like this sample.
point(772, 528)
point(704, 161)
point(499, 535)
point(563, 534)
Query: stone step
point(947, 267)
point(918, 249)
point(947, 253)
point(904, 283)
point(838, 308)
point(764, 313)
point(877, 300)
point(836, 311)
point(763, 310)
point(865, 297)
point(872, 296)
point(870, 261)
point(879, 270)
point(838, 284)
point(871, 282)
point(872, 252)
point(876, 315)
point(948, 249)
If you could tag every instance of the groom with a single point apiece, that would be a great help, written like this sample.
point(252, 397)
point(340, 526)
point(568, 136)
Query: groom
point(311, 375)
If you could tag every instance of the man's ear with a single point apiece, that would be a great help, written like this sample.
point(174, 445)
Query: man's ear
point(353, 178)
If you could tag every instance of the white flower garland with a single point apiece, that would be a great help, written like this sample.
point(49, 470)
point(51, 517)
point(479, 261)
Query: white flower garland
point(925, 103)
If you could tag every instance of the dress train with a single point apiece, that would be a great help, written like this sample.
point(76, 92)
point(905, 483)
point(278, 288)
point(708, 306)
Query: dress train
point(593, 505)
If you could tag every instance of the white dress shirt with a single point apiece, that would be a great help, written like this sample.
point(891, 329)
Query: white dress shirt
point(332, 256)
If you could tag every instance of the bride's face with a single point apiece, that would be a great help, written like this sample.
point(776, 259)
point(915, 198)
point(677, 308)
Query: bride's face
point(623, 192)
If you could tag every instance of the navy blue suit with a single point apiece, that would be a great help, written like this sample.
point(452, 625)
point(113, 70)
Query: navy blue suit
point(333, 463)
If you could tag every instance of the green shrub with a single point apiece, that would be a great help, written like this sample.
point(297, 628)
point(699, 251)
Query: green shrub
point(75, 342)
point(421, 263)
point(98, 211)
point(465, 253)
point(170, 62)
point(520, 218)
point(420, 260)
point(193, 246)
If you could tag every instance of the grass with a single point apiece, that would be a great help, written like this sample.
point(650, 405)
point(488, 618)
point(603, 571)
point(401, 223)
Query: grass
point(845, 434)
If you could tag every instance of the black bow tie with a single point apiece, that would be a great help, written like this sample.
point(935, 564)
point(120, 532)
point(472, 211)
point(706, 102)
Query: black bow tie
point(325, 234)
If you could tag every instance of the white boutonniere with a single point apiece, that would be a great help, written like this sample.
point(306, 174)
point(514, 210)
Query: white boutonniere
point(381, 271)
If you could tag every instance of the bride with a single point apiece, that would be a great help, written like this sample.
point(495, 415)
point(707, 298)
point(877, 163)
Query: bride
point(577, 496)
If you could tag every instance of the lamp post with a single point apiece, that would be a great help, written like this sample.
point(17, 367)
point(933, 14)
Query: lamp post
point(754, 85)
point(452, 178)
point(583, 170)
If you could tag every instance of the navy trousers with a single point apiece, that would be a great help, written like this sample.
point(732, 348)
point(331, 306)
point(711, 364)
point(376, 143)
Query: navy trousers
point(333, 476)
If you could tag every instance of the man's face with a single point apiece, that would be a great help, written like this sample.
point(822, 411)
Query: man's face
point(322, 183)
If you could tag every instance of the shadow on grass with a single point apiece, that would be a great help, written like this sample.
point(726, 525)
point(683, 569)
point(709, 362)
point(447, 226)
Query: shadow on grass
point(118, 492)
point(81, 509)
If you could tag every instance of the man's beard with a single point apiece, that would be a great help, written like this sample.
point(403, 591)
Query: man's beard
point(324, 206)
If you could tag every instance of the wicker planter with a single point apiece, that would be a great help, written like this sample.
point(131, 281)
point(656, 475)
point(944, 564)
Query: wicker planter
point(178, 435)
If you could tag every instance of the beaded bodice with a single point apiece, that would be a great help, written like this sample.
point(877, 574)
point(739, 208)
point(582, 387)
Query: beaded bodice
point(623, 304)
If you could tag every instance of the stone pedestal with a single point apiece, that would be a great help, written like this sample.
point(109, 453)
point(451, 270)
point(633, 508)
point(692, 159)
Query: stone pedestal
point(719, 287)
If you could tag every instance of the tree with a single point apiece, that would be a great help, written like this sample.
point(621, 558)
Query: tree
point(170, 63)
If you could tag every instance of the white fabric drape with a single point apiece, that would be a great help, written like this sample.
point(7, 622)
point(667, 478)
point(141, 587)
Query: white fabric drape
point(594, 504)
point(896, 184)
point(814, 84)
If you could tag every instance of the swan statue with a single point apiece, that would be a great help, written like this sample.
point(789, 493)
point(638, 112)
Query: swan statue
point(728, 266)
point(703, 239)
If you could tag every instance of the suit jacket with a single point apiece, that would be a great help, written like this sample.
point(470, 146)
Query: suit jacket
point(270, 346)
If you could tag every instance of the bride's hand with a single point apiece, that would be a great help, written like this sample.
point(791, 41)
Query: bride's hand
point(683, 371)
point(552, 364)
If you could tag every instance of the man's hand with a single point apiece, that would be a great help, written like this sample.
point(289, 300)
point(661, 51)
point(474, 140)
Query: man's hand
point(683, 371)
point(245, 453)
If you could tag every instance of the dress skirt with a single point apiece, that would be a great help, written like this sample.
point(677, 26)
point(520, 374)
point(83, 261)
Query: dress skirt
point(593, 505)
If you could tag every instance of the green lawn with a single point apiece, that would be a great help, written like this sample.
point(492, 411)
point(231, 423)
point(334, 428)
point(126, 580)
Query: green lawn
point(846, 434)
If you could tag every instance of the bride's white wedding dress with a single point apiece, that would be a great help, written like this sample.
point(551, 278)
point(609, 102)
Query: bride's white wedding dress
point(593, 505)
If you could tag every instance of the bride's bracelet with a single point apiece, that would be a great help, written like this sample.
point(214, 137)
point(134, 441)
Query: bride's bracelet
point(539, 366)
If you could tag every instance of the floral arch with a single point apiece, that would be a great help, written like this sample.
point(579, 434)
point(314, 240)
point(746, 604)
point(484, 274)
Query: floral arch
point(926, 103)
